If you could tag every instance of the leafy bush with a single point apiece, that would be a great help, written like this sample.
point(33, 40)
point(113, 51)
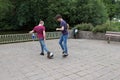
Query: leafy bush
point(84, 27)
point(106, 27)
point(116, 24)
point(113, 26)
point(100, 28)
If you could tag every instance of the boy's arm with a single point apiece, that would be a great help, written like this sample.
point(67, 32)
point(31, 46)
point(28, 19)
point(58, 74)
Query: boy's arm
point(60, 29)
point(31, 32)
point(44, 34)
point(68, 26)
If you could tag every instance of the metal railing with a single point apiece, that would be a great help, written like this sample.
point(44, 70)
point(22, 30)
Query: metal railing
point(12, 38)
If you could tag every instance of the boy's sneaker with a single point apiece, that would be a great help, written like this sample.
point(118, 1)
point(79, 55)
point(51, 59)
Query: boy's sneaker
point(65, 55)
point(42, 54)
point(50, 55)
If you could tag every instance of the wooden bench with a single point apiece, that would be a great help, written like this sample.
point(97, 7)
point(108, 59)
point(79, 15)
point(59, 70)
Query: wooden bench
point(110, 34)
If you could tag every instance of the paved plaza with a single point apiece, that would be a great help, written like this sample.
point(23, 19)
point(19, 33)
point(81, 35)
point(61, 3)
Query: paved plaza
point(87, 60)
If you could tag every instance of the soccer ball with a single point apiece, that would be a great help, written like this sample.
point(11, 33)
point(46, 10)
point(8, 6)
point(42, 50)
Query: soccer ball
point(50, 56)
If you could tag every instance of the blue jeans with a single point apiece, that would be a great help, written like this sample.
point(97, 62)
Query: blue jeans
point(63, 43)
point(43, 46)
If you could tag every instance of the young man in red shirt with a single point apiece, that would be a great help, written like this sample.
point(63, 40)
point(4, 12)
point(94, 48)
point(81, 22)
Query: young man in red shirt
point(40, 30)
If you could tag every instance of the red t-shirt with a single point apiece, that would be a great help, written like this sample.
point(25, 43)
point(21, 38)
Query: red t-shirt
point(39, 30)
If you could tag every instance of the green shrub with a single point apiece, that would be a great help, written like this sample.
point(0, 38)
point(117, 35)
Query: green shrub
point(100, 28)
point(113, 26)
point(116, 24)
point(105, 27)
point(84, 27)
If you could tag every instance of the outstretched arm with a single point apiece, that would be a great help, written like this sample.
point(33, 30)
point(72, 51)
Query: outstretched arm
point(60, 29)
point(31, 32)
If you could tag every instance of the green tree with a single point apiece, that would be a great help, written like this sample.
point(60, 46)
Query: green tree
point(112, 7)
point(57, 7)
point(117, 9)
point(97, 13)
point(89, 11)
point(5, 8)
point(24, 14)
point(28, 13)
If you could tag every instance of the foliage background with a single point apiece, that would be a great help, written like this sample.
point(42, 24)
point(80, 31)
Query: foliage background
point(23, 15)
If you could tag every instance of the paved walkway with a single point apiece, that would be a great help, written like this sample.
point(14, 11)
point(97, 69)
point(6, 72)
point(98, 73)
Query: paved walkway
point(88, 60)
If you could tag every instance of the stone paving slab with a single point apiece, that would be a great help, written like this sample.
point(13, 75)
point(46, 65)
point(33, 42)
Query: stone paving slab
point(88, 60)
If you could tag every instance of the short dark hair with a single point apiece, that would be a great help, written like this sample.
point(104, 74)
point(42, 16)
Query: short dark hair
point(58, 16)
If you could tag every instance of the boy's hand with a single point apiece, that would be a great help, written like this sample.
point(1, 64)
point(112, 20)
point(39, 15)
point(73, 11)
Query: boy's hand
point(57, 29)
point(30, 32)
point(44, 39)
point(60, 29)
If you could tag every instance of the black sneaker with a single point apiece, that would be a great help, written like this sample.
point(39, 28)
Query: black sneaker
point(42, 54)
point(50, 55)
point(63, 52)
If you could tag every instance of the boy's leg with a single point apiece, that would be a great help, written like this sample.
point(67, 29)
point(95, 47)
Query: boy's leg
point(49, 54)
point(42, 48)
point(60, 43)
point(65, 44)
point(74, 36)
point(43, 45)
